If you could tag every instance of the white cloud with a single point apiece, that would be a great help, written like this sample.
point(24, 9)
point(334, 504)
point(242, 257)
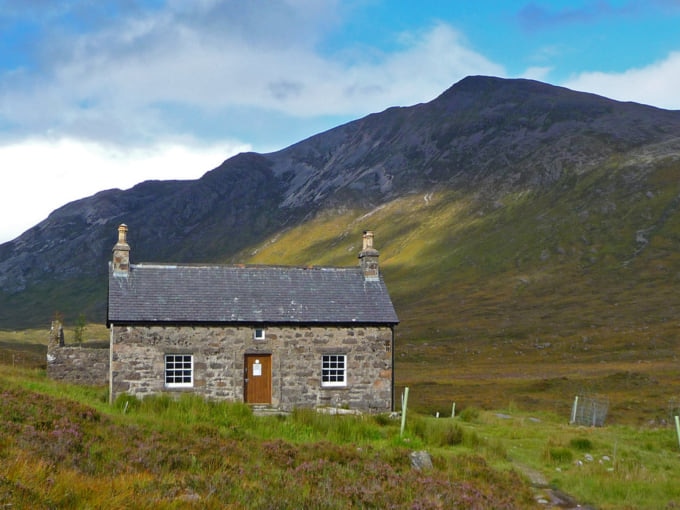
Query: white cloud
point(144, 78)
point(42, 175)
point(126, 100)
point(656, 84)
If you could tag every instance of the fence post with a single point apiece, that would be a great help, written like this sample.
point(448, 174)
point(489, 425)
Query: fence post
point(404, 405)
point(453, 410)
point(573, 410)
point(677, 427)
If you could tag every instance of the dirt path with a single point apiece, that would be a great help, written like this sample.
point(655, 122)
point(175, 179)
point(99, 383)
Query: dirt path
point(545, 495)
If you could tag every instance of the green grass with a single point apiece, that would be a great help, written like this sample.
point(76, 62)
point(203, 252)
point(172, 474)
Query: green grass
point(609, 467)
point(63, 446)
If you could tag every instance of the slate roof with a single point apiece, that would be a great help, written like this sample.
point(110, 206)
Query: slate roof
point(250, 294)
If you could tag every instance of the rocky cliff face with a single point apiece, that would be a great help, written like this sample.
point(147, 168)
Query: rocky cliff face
point(480, 132)
point(483, 136)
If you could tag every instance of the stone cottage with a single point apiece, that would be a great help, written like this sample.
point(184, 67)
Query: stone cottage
point(284, 337)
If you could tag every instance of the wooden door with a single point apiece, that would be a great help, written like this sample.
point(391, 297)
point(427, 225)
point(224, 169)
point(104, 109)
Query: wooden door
point(257, 381)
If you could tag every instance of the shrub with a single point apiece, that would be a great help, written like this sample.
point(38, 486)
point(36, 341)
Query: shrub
point(558, 455)
point(79, 329)
point(451, 434)
point(581, 443)
point(469, 414)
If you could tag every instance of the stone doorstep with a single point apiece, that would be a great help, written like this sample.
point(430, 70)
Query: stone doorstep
point(267, 410)
point(337, 410)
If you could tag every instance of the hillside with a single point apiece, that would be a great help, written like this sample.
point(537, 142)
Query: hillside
point(520, 154)
point(70, 450)
point(65, 447)
point(526, 231)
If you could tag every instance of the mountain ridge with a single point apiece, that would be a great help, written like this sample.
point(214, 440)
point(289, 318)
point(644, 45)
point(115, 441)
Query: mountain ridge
point(485, 140)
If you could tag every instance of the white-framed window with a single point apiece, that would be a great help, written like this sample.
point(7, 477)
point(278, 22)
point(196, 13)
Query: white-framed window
point(179, 370)
point(258, 334)
point(334, 370)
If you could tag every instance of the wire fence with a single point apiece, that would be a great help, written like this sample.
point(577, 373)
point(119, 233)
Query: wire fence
point(22, 358)
point(673, 408)
point(589, 410)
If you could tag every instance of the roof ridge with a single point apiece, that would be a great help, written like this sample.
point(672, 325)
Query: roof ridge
point(174, 265)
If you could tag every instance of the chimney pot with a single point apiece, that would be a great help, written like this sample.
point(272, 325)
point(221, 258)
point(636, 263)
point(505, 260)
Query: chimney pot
point(121, 253)
point(368, 239)
point(368, 258)
point(122, 233)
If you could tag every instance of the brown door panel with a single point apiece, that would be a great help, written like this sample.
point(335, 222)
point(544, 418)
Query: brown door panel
point(258, 379)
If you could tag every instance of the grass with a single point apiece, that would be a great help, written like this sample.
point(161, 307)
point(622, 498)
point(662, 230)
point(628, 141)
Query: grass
point(28, 347)
point(63, 446)
point(74, 451)
point(610, 467)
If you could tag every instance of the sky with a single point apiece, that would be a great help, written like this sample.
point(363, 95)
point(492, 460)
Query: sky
point(104, 94)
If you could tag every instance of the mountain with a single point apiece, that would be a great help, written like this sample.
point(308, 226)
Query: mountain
point(497, 188)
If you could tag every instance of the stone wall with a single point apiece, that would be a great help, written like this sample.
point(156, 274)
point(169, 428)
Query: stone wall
point(138, 363)
point(82, 365)
point(76, 364)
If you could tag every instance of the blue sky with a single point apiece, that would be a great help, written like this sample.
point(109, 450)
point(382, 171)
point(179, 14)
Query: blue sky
point(97, 95)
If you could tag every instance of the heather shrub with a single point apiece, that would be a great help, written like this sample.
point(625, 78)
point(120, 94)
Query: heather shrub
point(469, 414)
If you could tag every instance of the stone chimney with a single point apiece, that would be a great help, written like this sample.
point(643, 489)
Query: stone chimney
point(121, 253)
point(368, 258)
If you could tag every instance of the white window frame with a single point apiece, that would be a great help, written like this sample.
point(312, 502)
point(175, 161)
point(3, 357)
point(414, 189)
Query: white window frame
point(259, 334)
point(333, 370)
point(179, 370)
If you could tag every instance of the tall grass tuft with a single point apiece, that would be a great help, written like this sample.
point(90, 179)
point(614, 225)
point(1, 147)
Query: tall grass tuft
point(582, 444)
point(437, 432)
point(469, 414)
point(558, 455)
point(310, 424)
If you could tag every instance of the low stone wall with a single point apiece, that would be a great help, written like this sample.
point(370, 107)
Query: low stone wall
point(82, 365)
point(75, 363)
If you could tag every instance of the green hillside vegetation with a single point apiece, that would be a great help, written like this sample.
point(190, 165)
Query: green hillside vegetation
point(63, 446)
point(509, 308)
point(527, 298)
point(530, 299)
